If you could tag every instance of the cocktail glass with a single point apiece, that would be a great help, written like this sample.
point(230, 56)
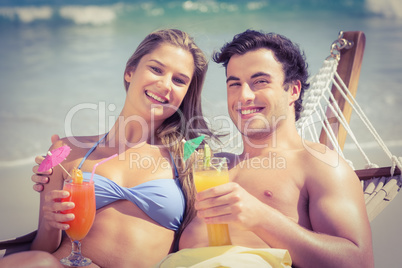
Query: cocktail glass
point(208, 173)
point(83, 196)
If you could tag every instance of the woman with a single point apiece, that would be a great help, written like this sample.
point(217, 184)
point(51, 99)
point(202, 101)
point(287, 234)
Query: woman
point(163, 81)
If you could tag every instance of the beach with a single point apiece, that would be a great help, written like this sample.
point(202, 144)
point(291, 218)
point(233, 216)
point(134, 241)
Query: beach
point(61, 71)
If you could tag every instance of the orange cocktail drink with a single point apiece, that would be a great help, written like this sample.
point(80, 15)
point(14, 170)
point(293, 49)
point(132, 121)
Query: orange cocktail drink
point(206, 177)
point(82, 193)
point(83, 196)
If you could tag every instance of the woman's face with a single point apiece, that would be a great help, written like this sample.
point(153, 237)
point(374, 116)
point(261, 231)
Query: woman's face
point(159, 82)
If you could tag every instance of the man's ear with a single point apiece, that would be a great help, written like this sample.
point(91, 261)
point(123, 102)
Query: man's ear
point(294, 91)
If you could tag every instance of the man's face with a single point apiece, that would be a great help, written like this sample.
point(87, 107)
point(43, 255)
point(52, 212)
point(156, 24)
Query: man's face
point(257, 100)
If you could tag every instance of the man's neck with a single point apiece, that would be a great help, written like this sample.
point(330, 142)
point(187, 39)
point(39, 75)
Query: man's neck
point(280, 139)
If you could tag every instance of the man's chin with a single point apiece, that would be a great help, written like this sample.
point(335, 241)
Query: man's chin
point(256, 133)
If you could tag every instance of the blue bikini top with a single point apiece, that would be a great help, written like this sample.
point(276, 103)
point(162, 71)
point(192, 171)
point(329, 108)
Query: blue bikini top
point(161, 199)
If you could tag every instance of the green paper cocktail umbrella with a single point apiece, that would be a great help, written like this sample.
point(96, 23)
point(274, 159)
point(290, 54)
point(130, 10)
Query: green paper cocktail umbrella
point(191, 145)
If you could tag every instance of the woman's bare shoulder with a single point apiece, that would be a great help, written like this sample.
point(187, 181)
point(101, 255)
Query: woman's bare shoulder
point(76, 142)
point(79, 145)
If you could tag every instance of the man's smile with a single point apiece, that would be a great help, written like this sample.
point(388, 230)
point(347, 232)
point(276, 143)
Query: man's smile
point(246, 111)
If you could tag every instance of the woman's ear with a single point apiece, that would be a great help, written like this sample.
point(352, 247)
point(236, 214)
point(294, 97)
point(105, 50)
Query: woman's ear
point(129, 72)
point(294, 91)
point(127, 75)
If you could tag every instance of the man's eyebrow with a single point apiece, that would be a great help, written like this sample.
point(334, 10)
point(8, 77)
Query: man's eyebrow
point(260, 74)
point(163, 65)
point(232, 78)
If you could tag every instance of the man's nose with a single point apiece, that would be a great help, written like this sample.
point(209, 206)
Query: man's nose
point(246, 94)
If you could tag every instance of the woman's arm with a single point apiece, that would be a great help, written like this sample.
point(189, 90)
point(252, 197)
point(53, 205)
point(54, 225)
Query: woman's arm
point(51, 220)
point(41, 178)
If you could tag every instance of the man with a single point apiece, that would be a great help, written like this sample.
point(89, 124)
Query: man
point(280, 195)
point(312, 206)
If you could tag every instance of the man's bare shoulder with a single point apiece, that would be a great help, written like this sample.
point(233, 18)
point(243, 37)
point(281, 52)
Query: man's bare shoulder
point(325, 167)
point(231, 158)
point(319, 155)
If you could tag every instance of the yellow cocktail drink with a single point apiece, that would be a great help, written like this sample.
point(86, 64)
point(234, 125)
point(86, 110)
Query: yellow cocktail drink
point(205, 178)
point(209, 178)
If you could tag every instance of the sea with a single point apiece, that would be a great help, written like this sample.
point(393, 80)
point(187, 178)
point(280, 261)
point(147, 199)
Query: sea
point(62, 64)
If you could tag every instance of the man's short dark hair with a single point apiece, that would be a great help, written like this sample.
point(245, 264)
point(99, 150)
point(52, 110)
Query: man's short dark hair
point(285, 51)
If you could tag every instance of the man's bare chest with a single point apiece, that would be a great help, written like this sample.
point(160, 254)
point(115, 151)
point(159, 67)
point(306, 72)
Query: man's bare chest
point(282, 189)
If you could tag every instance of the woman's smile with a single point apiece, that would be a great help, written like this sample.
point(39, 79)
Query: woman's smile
point(156, 98)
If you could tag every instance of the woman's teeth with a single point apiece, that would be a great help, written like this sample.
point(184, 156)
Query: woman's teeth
point(150, 94)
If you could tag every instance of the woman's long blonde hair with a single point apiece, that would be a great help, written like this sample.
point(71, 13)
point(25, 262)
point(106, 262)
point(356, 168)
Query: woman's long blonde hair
point(177, 127)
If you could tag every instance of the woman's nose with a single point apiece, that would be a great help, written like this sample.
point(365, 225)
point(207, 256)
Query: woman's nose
point(164, 83)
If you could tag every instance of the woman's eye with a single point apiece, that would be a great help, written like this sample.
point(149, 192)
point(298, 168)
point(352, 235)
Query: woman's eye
point(156, 69)
point(180, 81)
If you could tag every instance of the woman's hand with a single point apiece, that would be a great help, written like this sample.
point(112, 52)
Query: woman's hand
point(41, 178)
point(53, 208)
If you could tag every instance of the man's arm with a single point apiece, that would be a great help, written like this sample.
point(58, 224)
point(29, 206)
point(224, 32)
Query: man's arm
point(341, 235)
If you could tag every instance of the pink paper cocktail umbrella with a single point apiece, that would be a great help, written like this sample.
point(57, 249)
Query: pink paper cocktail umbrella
point(54, 158)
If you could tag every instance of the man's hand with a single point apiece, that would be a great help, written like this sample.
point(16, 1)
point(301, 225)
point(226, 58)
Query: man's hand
point(41, 178)
point(229, 203)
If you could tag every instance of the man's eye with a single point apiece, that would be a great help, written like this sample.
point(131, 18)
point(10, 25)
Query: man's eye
point(234, 84)
point(261, 81)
